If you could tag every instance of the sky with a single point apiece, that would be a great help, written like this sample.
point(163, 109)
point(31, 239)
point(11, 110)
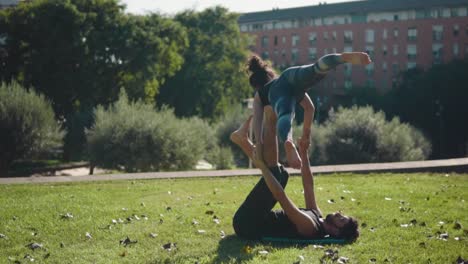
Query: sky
point(241, 6)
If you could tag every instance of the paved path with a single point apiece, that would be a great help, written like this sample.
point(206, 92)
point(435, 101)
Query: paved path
point(448, 165)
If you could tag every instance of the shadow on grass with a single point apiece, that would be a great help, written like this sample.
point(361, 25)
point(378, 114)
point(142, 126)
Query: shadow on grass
point(231, 249)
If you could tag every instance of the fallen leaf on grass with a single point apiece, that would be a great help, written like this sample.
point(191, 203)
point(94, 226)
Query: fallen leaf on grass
point(153, 235)
point(127, 241)
point(372, 260)
point(413, 222)
point(457, 226)
point(88, 235)
point(263, 252)
point(388, 199)
point(195, 222)
point(209, 212)
point(28, 257)
point(444, 236)
point(461, 261)
point(169, 246)
point(66, 216)
point(222, 234)
point(331, 201)
point(342, 260)
point(3, 236)
point(247, 249)
point(34, 246)
point(201, 231)
point(404, 225)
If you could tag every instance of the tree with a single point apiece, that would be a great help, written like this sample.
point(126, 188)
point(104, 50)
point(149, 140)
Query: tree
point(435, 101)
point(79, 53)
point(211, 79)
point(27, 125)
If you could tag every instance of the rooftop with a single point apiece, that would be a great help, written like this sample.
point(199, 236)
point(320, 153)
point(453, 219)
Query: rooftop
point(356, 7)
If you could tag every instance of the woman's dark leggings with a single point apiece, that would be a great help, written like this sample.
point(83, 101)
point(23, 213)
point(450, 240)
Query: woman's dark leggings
point(249, 219)
point(294, 81)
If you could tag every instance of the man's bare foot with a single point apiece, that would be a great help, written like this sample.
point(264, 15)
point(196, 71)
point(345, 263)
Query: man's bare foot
point(356, 58)
point(291, 155)
point(240, 137)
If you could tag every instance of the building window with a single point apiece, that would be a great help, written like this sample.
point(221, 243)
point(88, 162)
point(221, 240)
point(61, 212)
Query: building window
point(295, 40)
point(370, 69)
point(333, 50)
point(384, 66)
point(348, 69)
point(265, 55)
point(437, 53)
point(455, 49)
point(276, 41)
point(283, 53)
point(284, 40)
point(411, 65)
point(395, 50)
point(348, 49)
point(370, 51)
point(325, 51)
point(325, 35)
point(384, 33)
point(312, 38)
point(370, 36)
point(334, 35)
point(412, 52)
point(294, 55)
point(275, 52)
point(348, 84)
point(395, 18)
point(395, 68)
point(437, 32)
point(456, 30)
point(264, 41)
point(312, 54)
point(348, 37)
point(395, 32)
point(384, 50)
point(412, 34)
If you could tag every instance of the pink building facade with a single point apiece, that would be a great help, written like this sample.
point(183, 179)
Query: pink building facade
point(398, 35)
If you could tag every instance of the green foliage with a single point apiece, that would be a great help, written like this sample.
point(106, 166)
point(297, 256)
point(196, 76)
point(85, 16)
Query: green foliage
point(434, 100)
point(211, 80)
point(79, 53)
point(405, 229)
point(360, 135)
point(132, 136)
point(27, 125)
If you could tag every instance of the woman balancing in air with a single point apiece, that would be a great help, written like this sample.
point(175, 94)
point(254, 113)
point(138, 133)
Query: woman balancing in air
point(284, 91)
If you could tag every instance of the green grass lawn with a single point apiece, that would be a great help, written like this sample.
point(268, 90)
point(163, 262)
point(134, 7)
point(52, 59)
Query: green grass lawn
point(404, 218)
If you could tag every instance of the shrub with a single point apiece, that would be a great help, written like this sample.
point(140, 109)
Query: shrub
point(132, 136)
point(27, 125)
point(360, 135)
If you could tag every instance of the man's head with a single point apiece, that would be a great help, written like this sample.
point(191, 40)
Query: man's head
point(341, 226)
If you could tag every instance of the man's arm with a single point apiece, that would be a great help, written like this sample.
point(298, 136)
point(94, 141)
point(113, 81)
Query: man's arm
point(309, 110)
point(304, 224)
point(307, 178)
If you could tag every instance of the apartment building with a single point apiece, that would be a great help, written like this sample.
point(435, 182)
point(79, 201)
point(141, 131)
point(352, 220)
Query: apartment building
point(397, 34)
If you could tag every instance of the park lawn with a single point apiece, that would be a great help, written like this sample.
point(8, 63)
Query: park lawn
point(404, 218)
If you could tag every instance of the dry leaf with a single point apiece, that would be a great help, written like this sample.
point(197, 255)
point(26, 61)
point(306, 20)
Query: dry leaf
point(388, 198)
point(342, 260)
point(66, 216)
point(247, 249)
point(34, 246)
point(222, 234)
point(88, 235)
point(169, 246)
point(153, 235)
point(263, 252)
point(201, 231)
point(127, 241)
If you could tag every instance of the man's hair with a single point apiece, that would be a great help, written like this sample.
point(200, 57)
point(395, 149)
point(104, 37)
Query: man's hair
point(350, 231)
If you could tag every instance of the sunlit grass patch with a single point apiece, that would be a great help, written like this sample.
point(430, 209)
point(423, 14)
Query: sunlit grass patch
point(404, 218)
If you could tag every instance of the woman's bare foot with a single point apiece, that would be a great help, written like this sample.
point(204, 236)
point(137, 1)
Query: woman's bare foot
point(356, 58)
point(291, 155)
point(240, 137)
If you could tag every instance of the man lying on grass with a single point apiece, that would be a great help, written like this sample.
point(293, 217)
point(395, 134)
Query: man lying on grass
point(256, 219)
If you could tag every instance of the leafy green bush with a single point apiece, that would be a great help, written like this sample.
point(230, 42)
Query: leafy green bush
point(132, 136)
point(360, 135)
point(27, 125)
